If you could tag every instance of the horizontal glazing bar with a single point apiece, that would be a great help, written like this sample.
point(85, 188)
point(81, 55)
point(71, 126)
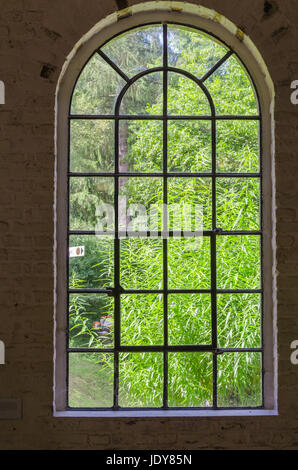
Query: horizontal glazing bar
point(158, 117)
point(239, 291)
point(160, 234)
point(166, 175)
point(180, 348)
point(140, 291)
point(169, 291)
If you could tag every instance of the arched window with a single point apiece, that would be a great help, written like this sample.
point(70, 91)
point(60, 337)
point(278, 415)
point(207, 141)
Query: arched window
point(164, 260)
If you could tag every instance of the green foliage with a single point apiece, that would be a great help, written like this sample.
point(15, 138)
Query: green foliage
point(84, 309)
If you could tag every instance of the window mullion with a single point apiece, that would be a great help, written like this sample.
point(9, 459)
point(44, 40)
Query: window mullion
point(116, 270)
point(165, 216)
point(213, 265)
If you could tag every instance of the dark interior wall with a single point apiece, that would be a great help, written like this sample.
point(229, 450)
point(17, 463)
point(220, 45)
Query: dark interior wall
point(35, 38)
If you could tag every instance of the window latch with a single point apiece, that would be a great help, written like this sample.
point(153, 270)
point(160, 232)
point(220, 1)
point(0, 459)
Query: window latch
point(218, 231)
point(111, 291)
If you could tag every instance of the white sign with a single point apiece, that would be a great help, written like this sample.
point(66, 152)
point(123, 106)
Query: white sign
point(2, 92)
point(2, 352)
point(76, 251)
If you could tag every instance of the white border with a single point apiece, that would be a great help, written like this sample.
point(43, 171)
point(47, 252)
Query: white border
point(218, 25)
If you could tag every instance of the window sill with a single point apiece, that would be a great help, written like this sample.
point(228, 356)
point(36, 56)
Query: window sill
point(164, 414)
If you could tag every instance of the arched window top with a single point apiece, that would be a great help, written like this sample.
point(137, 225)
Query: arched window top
point(125, 75)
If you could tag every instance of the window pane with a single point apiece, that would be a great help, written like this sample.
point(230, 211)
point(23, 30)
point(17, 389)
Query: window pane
point(90, 380)
point(142, 319)
point(141, 263)
point(238, 203)
point(239, 320)
point(95, 269)
point(89, 197)
point(231, 89)
point(239, 379)
point(136, 50)
point(193, 50)
point(141, 201)
point(140, 146)
point(191, 201)
point(190, 379)
point(140, 379)
point(237, 146)
point(189, 319)
point(91, 321)
point(238, 262)
point(145, 96)
point(189, 146)
point(91, 146)
point(97, 88)
point(189, 263)
point(185, 97)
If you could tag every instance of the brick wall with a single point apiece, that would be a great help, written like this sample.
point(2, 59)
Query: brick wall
point(35, 38)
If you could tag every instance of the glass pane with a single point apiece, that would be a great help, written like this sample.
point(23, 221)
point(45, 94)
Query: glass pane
point(232, 90)
point(140, 379)
point(142, 319)
point(91, 321)
point(136, 50)
point(192, 50)
point(141, 263)
point(239, 320)
point(189, 319)
point(185, 97)
point(90, 198)
point(145, 96)
point(140, 200)
point(239, 379)
point(238, 203)
point(189, 146)
point(91, 146)
point(94, 268)
point(190, 203)
point(190, 379)
point(238, 262)
point(189, 263)
point(90, 380)
point(237, 146)
point(97, 88)
point(140, 146)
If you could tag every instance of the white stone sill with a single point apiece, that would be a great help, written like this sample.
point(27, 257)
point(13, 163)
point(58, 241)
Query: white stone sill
point(164, 414)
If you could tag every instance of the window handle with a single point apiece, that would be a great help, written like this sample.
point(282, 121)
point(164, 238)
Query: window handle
point(111, 291)
point(218, 231)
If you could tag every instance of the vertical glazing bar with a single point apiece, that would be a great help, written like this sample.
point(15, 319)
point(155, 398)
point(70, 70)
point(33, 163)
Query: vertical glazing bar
point(261, 252)
point(116, 269)
point(165, 214)
point(213, 264)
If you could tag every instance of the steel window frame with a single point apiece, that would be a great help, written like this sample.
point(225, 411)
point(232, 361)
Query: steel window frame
point(117, 290)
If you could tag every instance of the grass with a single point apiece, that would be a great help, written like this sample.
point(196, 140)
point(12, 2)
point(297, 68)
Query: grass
point(89, 383)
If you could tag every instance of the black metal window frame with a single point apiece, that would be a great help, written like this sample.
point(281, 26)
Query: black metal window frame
point(215, 232)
